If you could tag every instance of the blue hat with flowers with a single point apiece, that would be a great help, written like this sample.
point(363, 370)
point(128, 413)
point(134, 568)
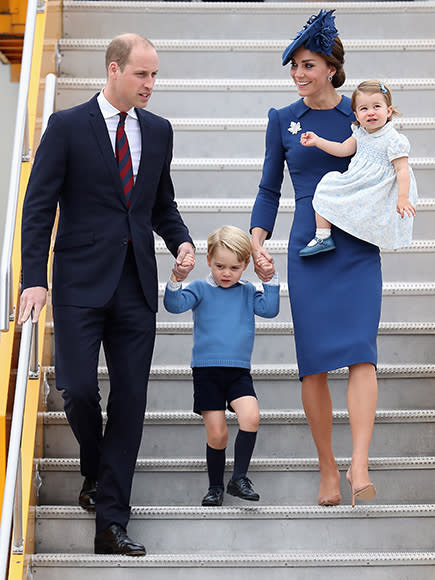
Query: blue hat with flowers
point(318, 35)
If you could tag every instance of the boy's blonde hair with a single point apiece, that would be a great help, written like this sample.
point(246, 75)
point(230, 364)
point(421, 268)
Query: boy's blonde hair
point(370, 88)
point(231, 238)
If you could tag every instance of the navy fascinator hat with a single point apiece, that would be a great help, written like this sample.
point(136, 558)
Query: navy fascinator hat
point(318, 35)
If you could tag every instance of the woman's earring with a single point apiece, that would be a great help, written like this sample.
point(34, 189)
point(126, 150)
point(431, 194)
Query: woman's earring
point(330, 78)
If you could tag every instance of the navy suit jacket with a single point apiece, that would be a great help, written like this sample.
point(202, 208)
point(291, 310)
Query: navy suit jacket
point(75, 167)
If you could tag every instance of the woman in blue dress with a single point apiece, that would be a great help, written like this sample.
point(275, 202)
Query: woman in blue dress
point(335, 297)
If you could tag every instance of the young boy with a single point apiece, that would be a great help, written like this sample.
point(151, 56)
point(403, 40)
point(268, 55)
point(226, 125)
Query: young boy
point(223, 308)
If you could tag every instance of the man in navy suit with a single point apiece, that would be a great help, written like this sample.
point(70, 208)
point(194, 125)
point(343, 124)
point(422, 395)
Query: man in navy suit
point(105, 286)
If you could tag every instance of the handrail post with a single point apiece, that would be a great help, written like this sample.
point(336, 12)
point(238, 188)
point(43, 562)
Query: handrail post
point(34, 363)
point(18, 541)
point(11, 293)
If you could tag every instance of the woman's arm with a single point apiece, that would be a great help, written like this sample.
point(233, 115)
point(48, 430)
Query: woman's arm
point(344, 149)
point(263, 261)
point(401, 167)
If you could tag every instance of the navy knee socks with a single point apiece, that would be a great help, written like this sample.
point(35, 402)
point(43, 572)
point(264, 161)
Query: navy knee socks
point(243, 450)
point(215, 466)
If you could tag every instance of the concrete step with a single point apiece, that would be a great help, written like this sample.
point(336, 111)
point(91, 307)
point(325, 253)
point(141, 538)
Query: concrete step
point(226, 177)
point(242, 97)
point(306, 565)
point(401, 302)
point(278, 348)
point(204, 215)
point(174, 20)
point(254, 529)
point(407, 433)
point(170, 388)
point(412, 264)
point(274, 344)
point(240, 138)
point(278, 481)
point(251, 58)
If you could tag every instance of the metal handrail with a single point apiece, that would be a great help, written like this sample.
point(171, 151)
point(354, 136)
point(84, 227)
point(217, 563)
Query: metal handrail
point(12, 499)
point(28, 367)
point(17, 156)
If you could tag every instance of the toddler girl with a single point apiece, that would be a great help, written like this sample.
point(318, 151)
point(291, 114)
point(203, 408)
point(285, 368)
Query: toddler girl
point(374, 199)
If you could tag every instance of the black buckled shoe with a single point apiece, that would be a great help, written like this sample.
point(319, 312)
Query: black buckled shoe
point(242, 487)
point(214, 496)
point(114, 540)
point(88, 494)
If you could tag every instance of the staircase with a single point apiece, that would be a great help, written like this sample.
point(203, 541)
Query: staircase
point(220, 73)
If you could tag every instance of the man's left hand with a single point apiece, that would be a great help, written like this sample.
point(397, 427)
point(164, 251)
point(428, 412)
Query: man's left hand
point(185, 261)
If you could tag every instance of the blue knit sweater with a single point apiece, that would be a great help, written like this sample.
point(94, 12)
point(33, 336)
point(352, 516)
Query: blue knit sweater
point(223, 319)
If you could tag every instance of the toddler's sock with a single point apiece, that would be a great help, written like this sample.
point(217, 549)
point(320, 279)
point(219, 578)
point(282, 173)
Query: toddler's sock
point(322, 234)
point(243, 450)
point(215, 466)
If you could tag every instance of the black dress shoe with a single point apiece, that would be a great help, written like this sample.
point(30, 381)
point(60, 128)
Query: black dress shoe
point(114, 540)
point(214, 496)
point(88, 494)
point(242, 487)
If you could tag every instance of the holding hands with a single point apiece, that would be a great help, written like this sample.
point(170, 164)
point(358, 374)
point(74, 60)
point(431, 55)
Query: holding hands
point(185, 262)
point(263, 264)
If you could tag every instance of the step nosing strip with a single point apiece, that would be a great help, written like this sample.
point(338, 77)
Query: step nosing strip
point(267, 417)
point(286, 328)
point(245, 204)
point(277, 371)
point(248, 512)
point(281, 247)
point(248, 45)
point(295, 558)
point(257, 464)
point(244, 7)
point(229, 84)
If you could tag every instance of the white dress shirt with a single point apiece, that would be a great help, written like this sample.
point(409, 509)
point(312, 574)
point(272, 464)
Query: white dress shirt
point(132, 129)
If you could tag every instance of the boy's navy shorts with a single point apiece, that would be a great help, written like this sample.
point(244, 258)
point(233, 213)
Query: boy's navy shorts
point(215, 387)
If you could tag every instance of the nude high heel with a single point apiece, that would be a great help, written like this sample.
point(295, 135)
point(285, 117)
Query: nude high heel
point(365, 492)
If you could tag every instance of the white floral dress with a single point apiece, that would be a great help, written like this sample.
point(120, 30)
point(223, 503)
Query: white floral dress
point(362, 200)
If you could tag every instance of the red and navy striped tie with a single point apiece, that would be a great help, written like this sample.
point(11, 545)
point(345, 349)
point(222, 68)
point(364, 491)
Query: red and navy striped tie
point(123, 157)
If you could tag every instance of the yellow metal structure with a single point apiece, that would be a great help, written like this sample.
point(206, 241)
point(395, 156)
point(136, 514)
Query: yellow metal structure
point(12, 24)
point(47, 32)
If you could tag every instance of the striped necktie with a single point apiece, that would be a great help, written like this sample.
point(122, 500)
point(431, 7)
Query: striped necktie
point(123, 157)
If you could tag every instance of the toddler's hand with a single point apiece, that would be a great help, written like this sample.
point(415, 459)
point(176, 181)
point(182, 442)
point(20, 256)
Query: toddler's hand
point(405, 206)
point(308, 139)
point(263, 264)
point(181, 271)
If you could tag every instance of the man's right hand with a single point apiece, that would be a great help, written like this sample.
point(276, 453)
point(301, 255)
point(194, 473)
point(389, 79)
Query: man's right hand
point(36, 298)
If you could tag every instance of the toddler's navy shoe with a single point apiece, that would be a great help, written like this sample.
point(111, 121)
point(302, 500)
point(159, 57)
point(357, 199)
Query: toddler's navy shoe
point(325, 245)
point(242, 487)
point(214, 496)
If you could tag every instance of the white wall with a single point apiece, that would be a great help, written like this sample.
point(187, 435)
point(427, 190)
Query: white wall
point(8, 108)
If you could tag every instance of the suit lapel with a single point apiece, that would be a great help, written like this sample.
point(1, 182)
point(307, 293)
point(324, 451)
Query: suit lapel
point(146, 145)
point(99, 128)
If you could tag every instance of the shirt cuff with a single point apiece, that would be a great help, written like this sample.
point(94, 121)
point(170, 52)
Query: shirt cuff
point(274, 281)
point(173, 285)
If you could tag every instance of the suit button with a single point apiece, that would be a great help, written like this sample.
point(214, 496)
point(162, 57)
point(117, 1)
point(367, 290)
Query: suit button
point(124, 242)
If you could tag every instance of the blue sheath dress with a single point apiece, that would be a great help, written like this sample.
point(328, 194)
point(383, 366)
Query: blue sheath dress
point(335, 297)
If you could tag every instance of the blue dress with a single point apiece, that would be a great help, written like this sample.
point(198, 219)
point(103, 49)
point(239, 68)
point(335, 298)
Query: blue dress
point(335, 297)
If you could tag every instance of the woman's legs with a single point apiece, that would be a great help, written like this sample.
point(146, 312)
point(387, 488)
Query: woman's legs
point(362, 397)
point(316, 399)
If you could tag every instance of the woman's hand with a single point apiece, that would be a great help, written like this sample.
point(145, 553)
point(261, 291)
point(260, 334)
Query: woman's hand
point(263, 264)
